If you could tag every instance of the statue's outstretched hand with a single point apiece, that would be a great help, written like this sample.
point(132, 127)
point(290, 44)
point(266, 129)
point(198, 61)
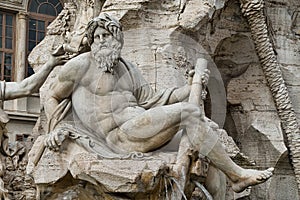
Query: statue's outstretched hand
point(58, 57)
point(57, 60)
point(55, 139)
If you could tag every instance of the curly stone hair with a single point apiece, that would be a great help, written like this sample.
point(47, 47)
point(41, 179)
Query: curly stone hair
point(107, 22)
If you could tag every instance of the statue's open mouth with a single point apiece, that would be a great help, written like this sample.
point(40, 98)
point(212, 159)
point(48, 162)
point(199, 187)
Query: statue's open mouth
point(103, 47)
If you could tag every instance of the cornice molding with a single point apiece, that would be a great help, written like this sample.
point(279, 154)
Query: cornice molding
point(15, 5)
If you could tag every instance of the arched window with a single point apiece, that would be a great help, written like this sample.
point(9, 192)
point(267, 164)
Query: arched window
point(41, 14)
point(45, 7)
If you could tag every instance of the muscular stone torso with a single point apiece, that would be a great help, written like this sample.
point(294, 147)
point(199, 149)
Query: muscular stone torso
point(103, 101)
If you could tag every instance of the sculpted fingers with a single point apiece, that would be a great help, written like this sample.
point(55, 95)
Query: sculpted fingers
point(60, 60)
point(61, 137)
point(59, 51)
point(55, 139)
point(191, 74)
point(205, 76)
point(55, 60)
point(47, 142)
point(50, 141)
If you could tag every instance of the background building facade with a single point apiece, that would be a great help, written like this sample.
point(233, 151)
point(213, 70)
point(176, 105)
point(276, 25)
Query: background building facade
point(23, 24)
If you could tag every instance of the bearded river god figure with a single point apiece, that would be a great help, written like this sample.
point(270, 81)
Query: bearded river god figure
point(104, 117)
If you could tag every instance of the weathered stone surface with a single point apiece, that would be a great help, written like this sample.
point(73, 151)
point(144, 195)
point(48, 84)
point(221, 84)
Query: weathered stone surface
point(14, 1)
point(191, 17)
point(16, 5)
point(263, 131)
point(250, 90)
point(291, 75)
point(287, 189)
point(121, 176)
point(131, 175)
point(294, 92)
point(54, 164)
point(288, 50)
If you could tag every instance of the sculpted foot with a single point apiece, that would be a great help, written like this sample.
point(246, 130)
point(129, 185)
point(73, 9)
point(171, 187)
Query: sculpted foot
point(251, 177)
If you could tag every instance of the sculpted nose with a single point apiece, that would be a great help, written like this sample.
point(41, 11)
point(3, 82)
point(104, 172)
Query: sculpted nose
point(101, 39)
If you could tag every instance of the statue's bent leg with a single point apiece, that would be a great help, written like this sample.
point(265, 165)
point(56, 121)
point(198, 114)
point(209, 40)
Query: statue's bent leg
point(153, 128)
point(204, 138)
point(156, 126)
point(241, 178)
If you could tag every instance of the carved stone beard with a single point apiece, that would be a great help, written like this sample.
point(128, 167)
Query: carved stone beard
point(106, 61)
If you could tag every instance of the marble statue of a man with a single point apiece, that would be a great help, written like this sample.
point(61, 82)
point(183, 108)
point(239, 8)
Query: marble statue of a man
point(116, 112)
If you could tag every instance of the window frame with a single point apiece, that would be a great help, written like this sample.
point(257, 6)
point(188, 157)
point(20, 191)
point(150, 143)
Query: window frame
point(41, 17)
point(3, 49)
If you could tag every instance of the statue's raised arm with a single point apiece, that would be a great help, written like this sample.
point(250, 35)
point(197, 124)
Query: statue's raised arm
point(13, 90)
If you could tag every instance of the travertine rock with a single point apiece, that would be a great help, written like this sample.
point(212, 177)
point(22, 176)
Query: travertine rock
point(121, 176)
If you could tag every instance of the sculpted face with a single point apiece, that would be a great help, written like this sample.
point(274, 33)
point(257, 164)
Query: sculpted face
point(103, 40)
point(105, 49)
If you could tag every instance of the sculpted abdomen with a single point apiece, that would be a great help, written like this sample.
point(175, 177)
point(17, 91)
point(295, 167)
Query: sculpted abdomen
point(88, 103)
point(96, 109)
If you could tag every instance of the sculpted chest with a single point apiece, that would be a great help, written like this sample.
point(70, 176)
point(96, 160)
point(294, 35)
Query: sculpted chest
point(103, 83)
